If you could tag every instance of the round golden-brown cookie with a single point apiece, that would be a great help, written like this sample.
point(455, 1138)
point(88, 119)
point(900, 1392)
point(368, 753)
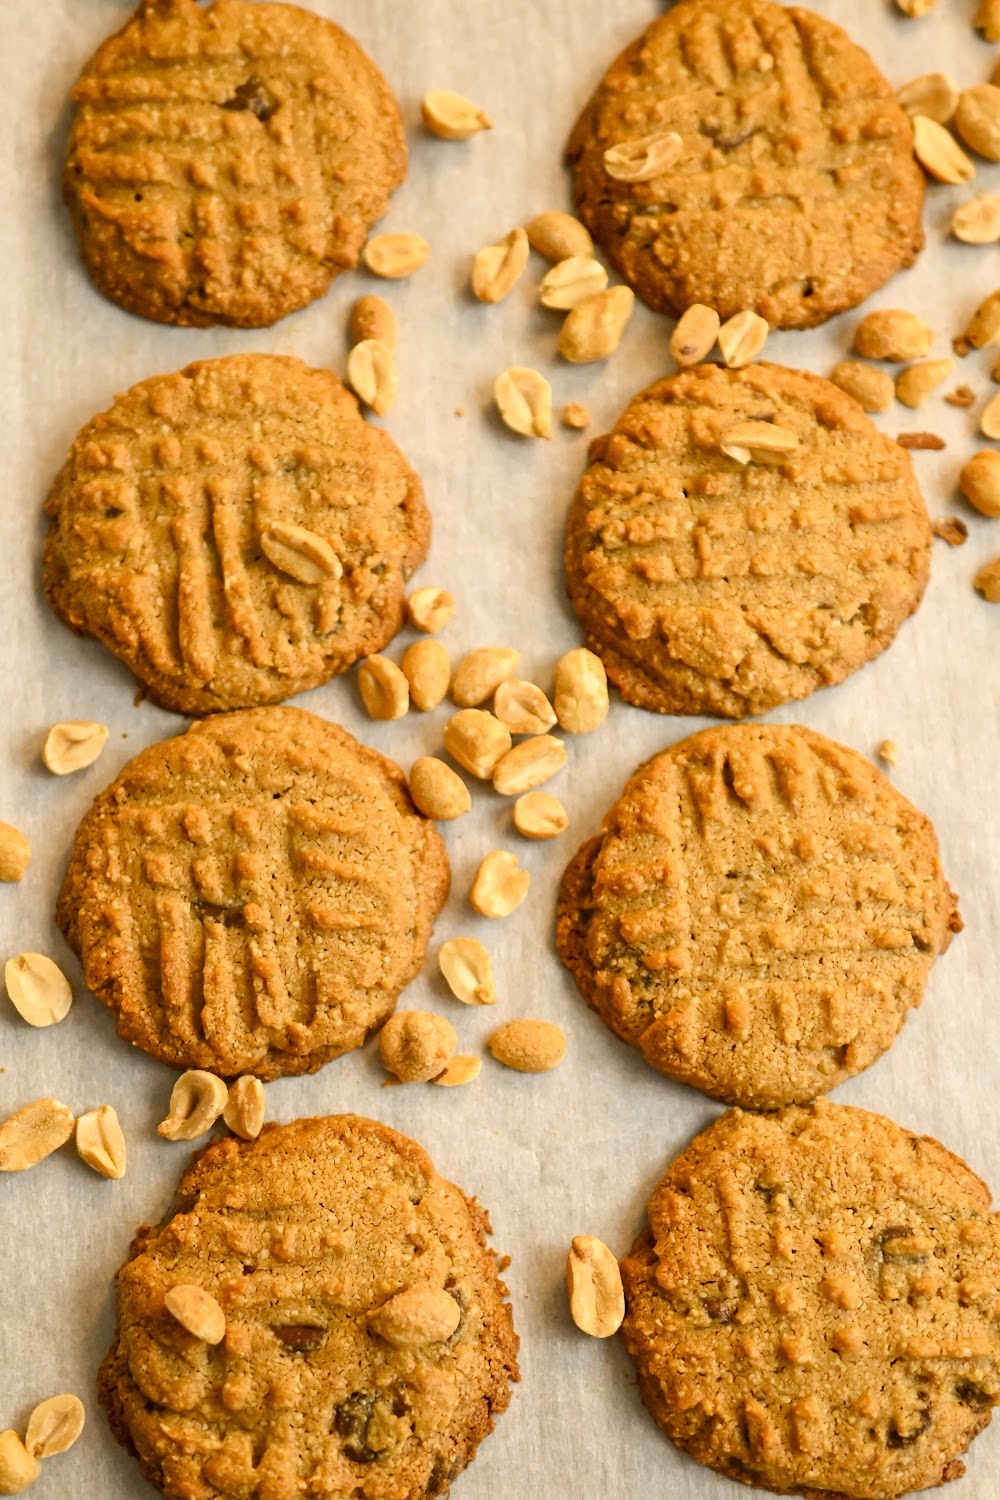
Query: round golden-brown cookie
point(252, 896)
point(235, 532)
point(226, 161)
point(794, 190)
point(711, 585)
point(368, 1345)
point(813, 1307)
point(759, 914)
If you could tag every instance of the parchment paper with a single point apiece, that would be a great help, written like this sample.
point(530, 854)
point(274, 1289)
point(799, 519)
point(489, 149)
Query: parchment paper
point(578, 1150)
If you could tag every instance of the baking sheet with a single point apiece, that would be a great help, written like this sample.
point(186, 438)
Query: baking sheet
point(577, 1150)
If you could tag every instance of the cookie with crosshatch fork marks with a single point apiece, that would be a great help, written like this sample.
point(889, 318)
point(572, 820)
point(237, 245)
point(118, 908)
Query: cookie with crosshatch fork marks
point(252, 896)
point(814, 1307)
point(226, 161)
point(235, 532)
point(368, 1346)
point(726, 583)
point(792, 187)
point(759, 914)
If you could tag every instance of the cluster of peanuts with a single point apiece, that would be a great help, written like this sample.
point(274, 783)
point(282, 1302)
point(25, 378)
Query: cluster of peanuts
point(53, 1426)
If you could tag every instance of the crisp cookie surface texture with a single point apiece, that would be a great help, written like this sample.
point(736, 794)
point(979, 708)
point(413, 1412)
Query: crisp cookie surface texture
point(226, 161)
point(759, 914)
point(252, 896)
point(303, 1236)
point(795, 192)
point(710, 586)
point(814, 1305)
point(160, 519)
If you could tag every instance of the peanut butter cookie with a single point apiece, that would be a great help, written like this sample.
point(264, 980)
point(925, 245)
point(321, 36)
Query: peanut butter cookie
point(748, 155)
point(714, 577)
point(226, 161)
point(252, 896)
point(364, 1341)
point(813, 1307)
point(759, 914)
point(235, 532)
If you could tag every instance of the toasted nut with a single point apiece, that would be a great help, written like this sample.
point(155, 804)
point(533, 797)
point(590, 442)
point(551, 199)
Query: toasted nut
point(496, 268)
point(979, 482)
point(523, 708)
point(989, 422)
point(196, 1102)
point(978, 221)
point(373, 318)
point(742, 339)
point(977, 119)
point(594, 1282)
point(987, 581)
point(927, 442)
point(571, 282)
point(950, 529)
point(371, 374)
point(575, 415)
point(426, 666)
point(33, 1133)
point(915, 7)
point(524, 400)
point(476, 740)
point(529, 765)
point(100, 1142)
point(984, 325)
point(451, 117)
point(384, 689)
point(246, 1107)
point(694, 337)
point(500, 885)
point(54, 1426)
point(15, 853)
point(889, 752)
point(73, 744)
point(988, 20)
point(468, 971)
point(18, 1468)
point(762, 442)
point(437, 791)
point(416, 1315)
point(593, 329)
point(932, 94)
point(962, 395)
point(430, 609)
point(893, 334)
point(461, 1069)
point(557, 236)
point(873, 390)
point(939, 153)
point(300, 553)
point(645, 158)
point(581, 695)
point(529, 1046)
point(915, 384)
point(197, 1311)
point(537, 815)
point(481, 672)
point(416, 1045)
point(395, 256)
point(39, 990)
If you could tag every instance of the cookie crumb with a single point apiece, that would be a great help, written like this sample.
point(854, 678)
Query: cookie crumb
point(888, 751)
point(575, 415)
point(460, 411)
point(962, 395)
point(921, 440)
point(961, 346)
point(951, 529)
